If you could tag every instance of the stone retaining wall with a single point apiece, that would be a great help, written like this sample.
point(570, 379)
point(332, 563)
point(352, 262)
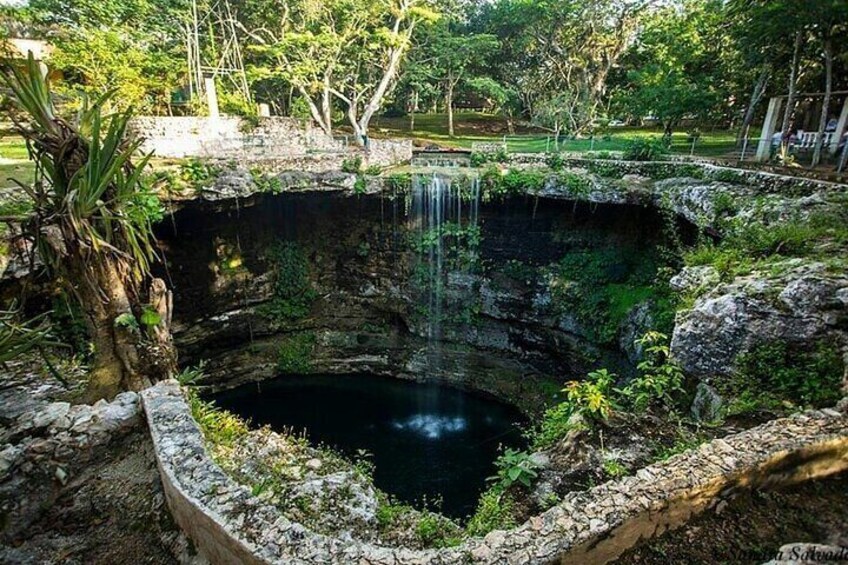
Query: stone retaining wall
point(765, 181)
point(283, 143)
point(229, 525)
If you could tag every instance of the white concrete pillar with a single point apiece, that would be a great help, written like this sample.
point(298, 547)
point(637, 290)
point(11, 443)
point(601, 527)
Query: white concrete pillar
point(769, 125)
point(264, 110)
point(211, 97)
point(840, 127)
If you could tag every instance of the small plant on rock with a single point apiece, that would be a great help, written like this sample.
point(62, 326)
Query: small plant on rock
point(591, 397)
point(515, 467)
point(660, 378)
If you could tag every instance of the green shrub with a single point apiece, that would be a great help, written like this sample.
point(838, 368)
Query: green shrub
point(495, 511)
point(556, 423)
point(435, 530)
point(515, 467)
point(352, 164)
point(295, 353)
point(614, 468)
point(591, 397)
point(497, 184)
point(293, 294)
point(555, 161)
point(373, 170)
point(645, 149)
point(399, 182)
point(659, 380)
point(219, 427)
point(802, 376)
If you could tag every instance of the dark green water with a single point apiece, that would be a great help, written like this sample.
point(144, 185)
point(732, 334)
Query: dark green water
point(428, 441)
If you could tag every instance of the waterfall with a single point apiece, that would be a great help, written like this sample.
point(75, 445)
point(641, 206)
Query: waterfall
point(444, 216)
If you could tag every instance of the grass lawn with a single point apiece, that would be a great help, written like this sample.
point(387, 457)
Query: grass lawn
point(473, 127)
point(14, 162)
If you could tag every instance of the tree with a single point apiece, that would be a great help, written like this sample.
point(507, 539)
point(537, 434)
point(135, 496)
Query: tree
point(91, 224)
point(305, 48)
point(136, 47)
point(453, 56)
point(372, 64)
point(566, 47)
point(674, 65)
point(829, 19)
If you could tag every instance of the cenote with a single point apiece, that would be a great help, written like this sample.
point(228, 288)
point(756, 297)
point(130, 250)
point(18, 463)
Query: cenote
point(419, 326)
point(429, 443)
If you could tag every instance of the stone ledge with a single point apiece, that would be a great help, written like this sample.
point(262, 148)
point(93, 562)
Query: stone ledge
point(229, 525)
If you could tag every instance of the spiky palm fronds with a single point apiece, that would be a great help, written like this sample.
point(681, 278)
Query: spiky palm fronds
point(17, 338)
point(85, 178)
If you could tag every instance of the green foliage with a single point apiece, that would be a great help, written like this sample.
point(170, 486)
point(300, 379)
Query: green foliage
point(556, 423)
point(555, 161)
point(578, 185)
point(809, 376)
point(218, 426)
point(496, 183)
point(295, 353)
point(645, 149)
point(751, 244)
point(398, 182)
point(591, 397)
point(601, 285)
point(360, 186)
point(265, 182)
point(614, 468)
point(191, 375)
point(495, 511)
point(659, 380)
point(17, 338)
point(352, 164)
point(480, 158)
point(515, 467)
point(434, 530)
point(293, 292)
point(198, 174)
point(127, 320)
point(373, 170)
point(150, 317)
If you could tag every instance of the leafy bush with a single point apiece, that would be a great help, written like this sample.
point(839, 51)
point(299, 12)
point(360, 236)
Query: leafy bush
point(480, 158)
point(555, 161)
point(434, 530)
point(659, 379)
point(352, 164)
point(495, 511)
point(400, 182)
point(556, 423)
point(219, 427)
point(810, 376)
point(497, 184)
point(515, 467)
point(373, 170)
point(591, 397)
point(293, 293)
point(645, 149)
point(295, 353)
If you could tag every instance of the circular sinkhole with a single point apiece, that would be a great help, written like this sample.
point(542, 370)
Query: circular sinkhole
point(429, 442)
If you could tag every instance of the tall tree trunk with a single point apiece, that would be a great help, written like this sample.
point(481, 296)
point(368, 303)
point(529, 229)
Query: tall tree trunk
point(793, 83)
point(413, 109)
point(828, 68)
point(756, 96)
point(127, 355)
point(326, 106)
point(316, 112)
point(449, 108)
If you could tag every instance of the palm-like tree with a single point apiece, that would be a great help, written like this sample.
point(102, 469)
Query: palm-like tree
point(89, 229)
